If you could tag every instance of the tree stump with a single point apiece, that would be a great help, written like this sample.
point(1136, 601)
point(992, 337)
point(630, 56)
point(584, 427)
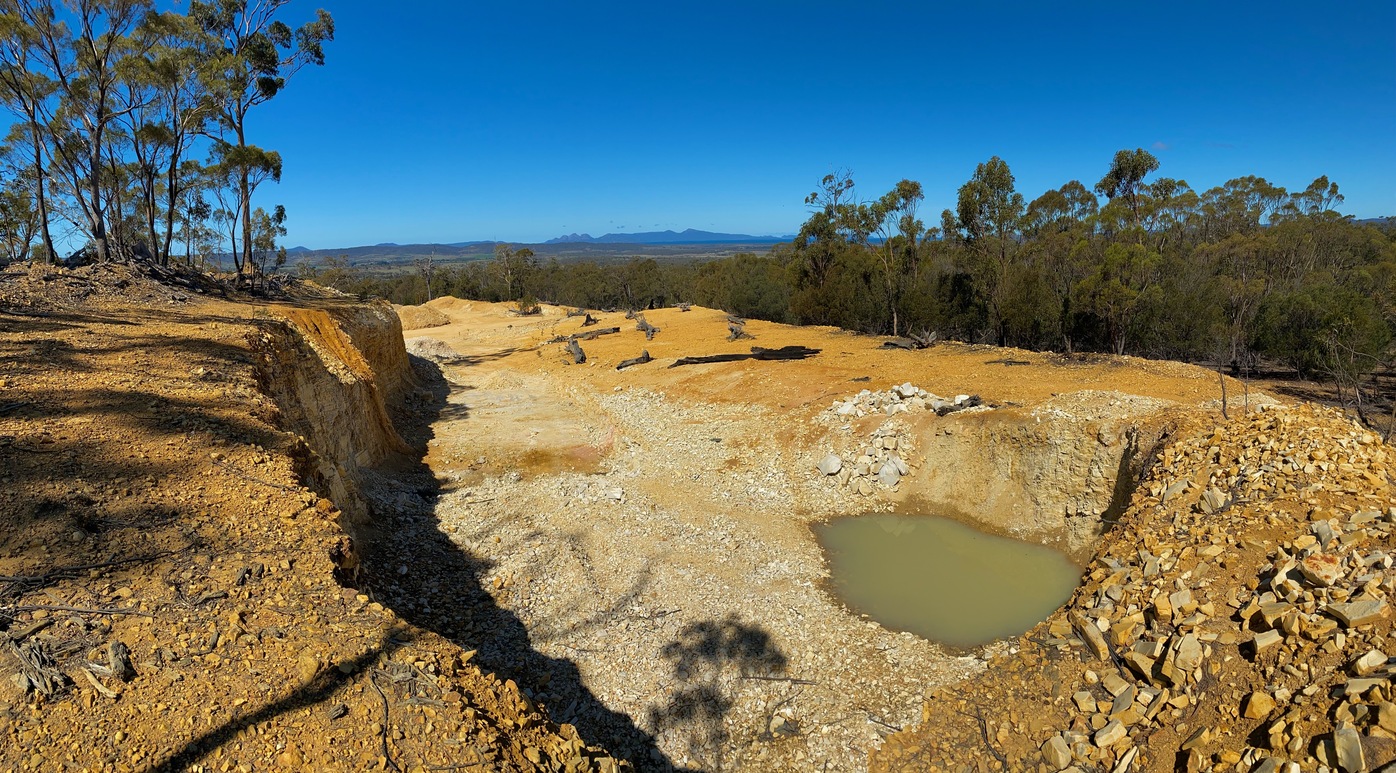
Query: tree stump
point(643, 325)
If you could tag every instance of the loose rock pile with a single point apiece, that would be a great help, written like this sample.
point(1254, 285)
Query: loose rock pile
point(899, 399)
point(885, 459)
point(880, 463)
point(1236, 621)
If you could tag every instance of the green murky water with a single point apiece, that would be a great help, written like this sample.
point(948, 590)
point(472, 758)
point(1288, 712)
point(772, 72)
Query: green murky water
point(942, 580)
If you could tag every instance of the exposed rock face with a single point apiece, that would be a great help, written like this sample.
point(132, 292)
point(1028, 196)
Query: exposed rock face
point(1046, 475)
point(332, 372)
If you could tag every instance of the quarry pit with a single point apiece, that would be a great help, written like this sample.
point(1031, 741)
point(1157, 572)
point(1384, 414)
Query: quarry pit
point(654, 524)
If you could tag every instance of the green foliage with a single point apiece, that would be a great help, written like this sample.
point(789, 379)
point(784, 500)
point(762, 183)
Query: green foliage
point(1126, 175)
point(746, 285)
point(1121, 284)
point(1324, 331)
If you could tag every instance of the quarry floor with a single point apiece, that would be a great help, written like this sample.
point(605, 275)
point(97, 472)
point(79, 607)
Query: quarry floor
point(652, 524)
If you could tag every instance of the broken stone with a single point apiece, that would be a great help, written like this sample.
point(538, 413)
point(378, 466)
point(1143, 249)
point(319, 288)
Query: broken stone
point(1189, 655)
point(1348, 746)
point(1111, 733)
point(1258, 705)
point(1368, 663)
point(1267, 639)
point(1090, 634)
point(1056, 752)
point(1321, 569)
point(888, 475)
point(1354, 613)
point(830, 465)
point(1212, 501)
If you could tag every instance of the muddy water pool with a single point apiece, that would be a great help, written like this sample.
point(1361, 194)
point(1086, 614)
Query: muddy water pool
point(942, 580)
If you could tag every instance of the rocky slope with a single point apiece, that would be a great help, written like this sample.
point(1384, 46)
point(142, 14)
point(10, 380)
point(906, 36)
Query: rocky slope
point(1237, 618)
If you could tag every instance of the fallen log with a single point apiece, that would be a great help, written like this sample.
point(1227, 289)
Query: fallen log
point(684, 306)
point(757, 353)
point(913, 341)
point(641, 360)
point(587, 336)
point(577, 313)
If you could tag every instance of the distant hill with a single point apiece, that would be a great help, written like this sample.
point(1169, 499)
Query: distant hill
point(388, 254)
point(392, 257)
point(687, 236)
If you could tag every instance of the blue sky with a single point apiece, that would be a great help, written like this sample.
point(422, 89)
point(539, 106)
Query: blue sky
point(522, 121)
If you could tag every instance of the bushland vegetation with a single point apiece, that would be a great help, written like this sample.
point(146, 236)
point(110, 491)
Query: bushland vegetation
point(1134, 264)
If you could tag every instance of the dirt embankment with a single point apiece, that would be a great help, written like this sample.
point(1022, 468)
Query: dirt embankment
point(173, 469)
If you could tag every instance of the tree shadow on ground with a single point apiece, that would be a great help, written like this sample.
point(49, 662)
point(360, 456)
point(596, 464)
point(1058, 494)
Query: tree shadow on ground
point(411, 566)
point(704, 656)
point(322, 686)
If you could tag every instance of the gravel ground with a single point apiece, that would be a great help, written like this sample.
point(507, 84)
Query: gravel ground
point(684, 582)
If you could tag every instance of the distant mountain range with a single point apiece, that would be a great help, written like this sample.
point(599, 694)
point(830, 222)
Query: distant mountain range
point(690, 244)
point(687, 236)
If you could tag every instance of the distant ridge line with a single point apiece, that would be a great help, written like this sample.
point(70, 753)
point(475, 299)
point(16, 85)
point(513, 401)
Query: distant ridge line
point(687, 236)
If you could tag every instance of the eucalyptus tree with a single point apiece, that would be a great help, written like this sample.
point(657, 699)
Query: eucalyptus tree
point(267, 228)
point(988, 215)
point(1057, 229)
point(900, 241)
point(1125, 177)
point(27, 93)
point(256, 54)
point(821, 237)
point(83, 61)
point(169, 108)
point(18, 217)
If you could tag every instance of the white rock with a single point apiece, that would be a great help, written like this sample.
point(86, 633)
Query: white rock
point(888, 475)
point(831, 464)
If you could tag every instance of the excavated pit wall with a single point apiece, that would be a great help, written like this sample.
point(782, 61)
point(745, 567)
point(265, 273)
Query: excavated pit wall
point(1055, 474)
point(333, 372)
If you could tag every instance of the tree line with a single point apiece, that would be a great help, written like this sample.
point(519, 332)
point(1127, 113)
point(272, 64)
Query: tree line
point(130, 127)
point(1134, 264)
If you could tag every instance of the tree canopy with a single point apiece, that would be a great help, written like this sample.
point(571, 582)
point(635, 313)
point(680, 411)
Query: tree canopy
point(113, 102)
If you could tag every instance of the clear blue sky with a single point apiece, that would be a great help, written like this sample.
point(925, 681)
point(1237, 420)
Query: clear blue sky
point(521, 121)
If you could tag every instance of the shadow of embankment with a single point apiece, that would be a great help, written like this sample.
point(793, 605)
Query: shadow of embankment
point(412, 567)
